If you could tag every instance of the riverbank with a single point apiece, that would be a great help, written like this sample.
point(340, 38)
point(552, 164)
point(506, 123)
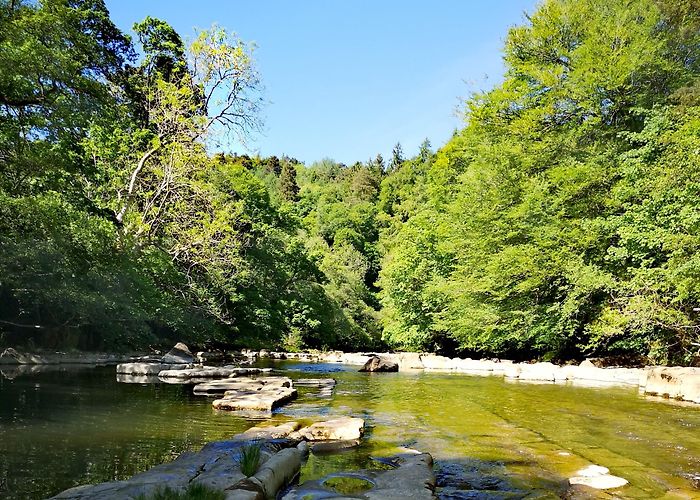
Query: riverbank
point(675, 382)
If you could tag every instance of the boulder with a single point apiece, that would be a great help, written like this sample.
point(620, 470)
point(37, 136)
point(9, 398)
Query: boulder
point(339, 429)
point(377, 364)
point(264, 353)
point(179, 354)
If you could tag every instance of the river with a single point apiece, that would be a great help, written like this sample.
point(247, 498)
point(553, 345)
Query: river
point(490, 438)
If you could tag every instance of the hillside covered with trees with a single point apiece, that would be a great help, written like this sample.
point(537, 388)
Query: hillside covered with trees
point(562, 221)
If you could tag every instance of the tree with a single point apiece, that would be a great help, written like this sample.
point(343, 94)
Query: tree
point(57, 60)
point(288, 182)
point(396, 157)
point(216, 92)
point(425, 153)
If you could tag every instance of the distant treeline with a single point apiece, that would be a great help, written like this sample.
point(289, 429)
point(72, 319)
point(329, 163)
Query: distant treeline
point(563, 221)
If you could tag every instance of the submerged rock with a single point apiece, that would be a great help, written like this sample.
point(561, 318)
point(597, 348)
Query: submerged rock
point(412, 479)
point(378, 364)
point(180, 353)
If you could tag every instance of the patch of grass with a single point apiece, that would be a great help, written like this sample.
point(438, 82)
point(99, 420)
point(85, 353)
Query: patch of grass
point(193, 492)
point(249, 458)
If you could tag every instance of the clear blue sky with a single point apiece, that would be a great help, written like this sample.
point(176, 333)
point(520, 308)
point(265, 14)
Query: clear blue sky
point(348, 79)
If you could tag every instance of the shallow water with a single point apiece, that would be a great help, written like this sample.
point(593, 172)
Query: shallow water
point(490, 438)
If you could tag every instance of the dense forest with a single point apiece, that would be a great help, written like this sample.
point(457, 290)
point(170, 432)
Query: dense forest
point(562, 221)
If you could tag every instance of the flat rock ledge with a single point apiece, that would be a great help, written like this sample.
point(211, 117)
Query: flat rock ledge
point(217, 466)
point(672, 382)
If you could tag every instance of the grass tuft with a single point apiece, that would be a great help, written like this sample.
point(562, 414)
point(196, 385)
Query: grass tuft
point(249, 458)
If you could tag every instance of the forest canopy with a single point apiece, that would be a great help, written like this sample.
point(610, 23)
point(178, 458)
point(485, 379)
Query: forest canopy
point(562, 221)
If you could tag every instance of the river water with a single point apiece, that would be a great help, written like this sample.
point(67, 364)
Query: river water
point(490, 438)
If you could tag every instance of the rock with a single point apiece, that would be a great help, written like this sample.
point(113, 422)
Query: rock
point(412, 479)
point(147, 368)
point(408, 360)
point(546, 372)
point(215, 466)
point(603, 482)
point(11, 357)
point(674, 382)
point(377, 364)
point(179, 354)
point(199, 373)
point(354, 358)
point(592, 471)
point(264, 353)
point(265, 399)
point(279, 471)
point(328, 447)
point(280, 431)
point(209, 357)
point(434, 362)
point(339, 429)
point(598, 477)
point(125, 378)
point(587, 363)
point(249, 488)
point(477, 366)
point(240, 384)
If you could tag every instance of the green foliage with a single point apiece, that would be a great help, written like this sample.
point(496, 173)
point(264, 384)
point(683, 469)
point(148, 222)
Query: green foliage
point(562, 219)
point(249, 459)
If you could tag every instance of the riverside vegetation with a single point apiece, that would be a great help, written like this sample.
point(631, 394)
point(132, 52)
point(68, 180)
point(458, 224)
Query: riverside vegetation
point(562, 221)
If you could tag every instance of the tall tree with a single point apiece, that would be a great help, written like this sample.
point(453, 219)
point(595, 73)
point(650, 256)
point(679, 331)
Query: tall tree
point(288, 182)
point(396, 157)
